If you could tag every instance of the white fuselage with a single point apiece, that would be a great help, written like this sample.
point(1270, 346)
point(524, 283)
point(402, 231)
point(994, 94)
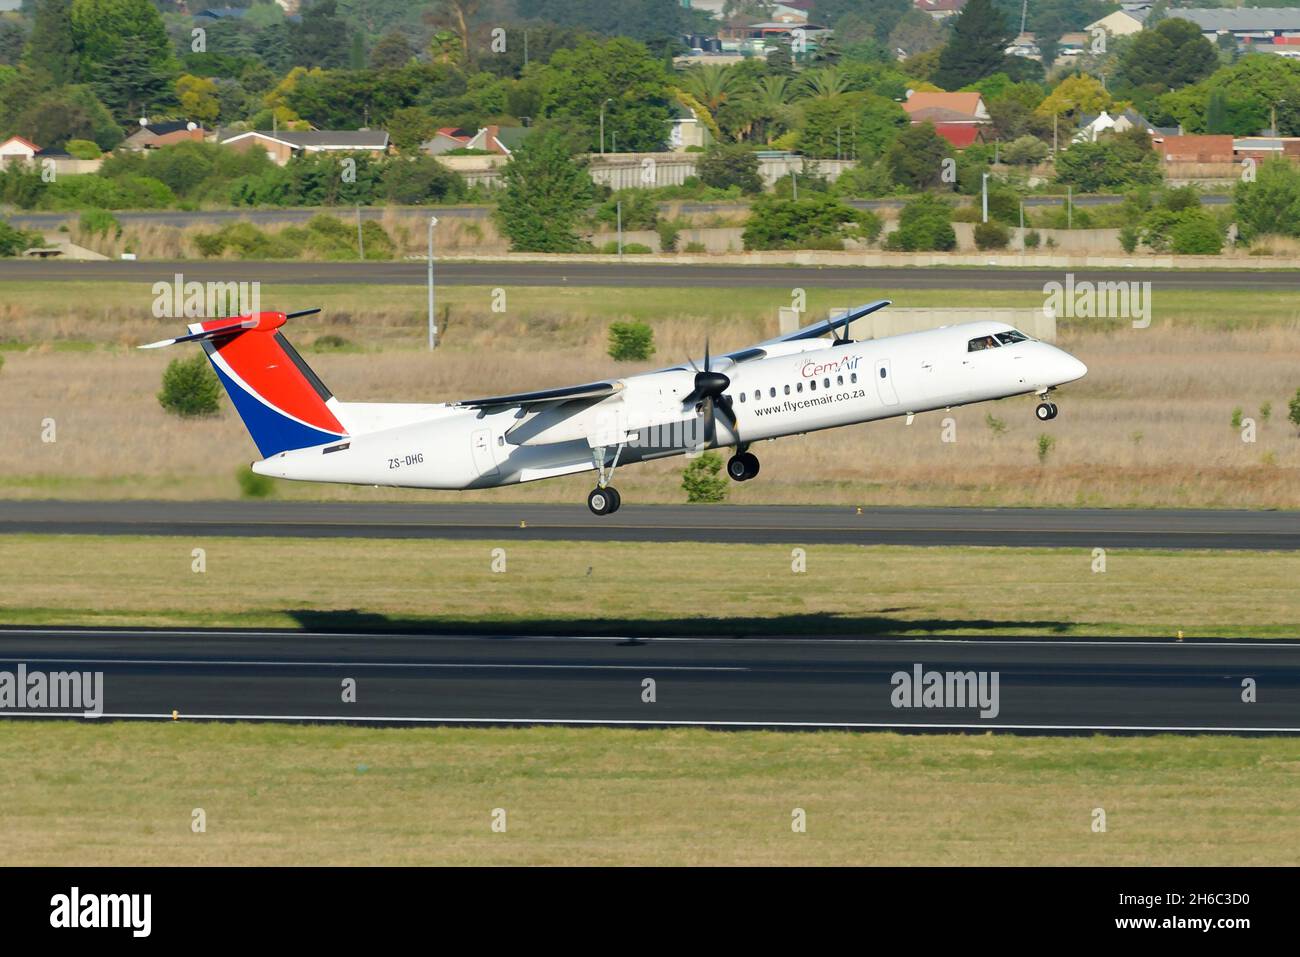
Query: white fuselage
point(817, 386)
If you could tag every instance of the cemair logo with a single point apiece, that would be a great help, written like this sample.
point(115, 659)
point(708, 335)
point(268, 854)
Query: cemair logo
point(813, 368)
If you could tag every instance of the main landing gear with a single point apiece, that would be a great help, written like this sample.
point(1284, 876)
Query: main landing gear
point(742, 466)
point(604, 498)
point(1045, 411)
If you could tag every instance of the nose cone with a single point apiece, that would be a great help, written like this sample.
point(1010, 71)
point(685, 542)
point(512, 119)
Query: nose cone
point(1066, 368)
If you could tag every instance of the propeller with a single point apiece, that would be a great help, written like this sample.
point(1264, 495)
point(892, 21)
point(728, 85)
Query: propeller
point(709, 396)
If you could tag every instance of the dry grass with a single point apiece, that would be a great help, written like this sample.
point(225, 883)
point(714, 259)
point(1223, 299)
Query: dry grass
point(648, 588)
point(115, 794)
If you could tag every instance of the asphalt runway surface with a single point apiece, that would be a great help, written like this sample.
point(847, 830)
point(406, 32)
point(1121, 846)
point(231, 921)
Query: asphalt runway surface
point(759, 524)
point(630, 274)
point(1044, 687)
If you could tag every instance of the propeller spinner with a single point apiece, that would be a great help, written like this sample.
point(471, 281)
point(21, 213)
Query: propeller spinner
point(709, 396)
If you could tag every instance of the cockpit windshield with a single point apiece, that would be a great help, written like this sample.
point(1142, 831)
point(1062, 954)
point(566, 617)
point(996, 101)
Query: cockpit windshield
point(980, 343)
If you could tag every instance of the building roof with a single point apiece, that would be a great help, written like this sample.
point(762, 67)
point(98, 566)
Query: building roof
point(960, 135)
point(939, 6)
point(1179, 147)
point(21, 139)
point(968, 104)
point(1245, 20)
point(321, 139)
point(940, 114)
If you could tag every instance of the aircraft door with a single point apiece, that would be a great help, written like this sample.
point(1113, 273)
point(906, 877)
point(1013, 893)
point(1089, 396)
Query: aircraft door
point(885, 383)
point(485, 459)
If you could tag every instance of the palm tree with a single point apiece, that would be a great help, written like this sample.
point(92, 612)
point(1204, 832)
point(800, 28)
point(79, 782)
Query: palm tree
point(771, 96)
point(710, 85)
point(825, 83)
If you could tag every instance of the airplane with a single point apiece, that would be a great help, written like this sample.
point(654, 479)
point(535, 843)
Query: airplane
point(795, 383)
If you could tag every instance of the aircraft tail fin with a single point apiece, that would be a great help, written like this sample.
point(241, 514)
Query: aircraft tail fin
point(282, 401)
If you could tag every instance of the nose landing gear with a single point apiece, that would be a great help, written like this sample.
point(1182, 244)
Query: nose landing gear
point(1045, 411)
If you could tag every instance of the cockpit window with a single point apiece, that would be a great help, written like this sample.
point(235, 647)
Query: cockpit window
point(1015, 335)
point(982, 342)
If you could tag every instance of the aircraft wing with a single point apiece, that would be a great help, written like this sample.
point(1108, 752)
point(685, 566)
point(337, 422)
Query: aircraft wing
point(826, 325)
point(592, 390)
point(813, 331)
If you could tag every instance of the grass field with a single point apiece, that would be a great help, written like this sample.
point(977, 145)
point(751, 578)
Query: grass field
point(1151, 424)
point(124, 794)
point(647, 588)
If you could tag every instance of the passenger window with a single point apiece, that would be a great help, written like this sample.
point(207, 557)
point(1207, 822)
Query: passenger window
point(826, 382)
point(812, 386)
point(853, 378)
point(787, 390)
point(774, 392)
point(839, 380)
point(798, 387)
point(882, 372)
point(742, 397)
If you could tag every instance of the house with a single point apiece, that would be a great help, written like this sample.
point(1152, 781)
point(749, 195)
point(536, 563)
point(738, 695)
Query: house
point(282, 145)
point(1252, 26)
point(1122, 23)
point(940, 9)
point(687, 130)
point(946, 107)
point(1264, 148)
point(17, 150)
point(502, 140)
point(154, 136)
point(1092, 125)
point(1025, 46)
point(1194, 149)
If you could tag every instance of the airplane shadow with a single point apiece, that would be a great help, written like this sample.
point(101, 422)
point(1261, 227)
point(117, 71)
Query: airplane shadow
point(811, 626)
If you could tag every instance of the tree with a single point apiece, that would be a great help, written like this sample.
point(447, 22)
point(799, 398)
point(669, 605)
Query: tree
point(546, 191)
point(1171, 55)
point(51, 49)
point(102, 30)
point(190, 388)
point(392, 51)
point(1024, 151)
point(320, 38)
point(421, 179)
point(701, 481)
point(134, 81)
point(631, 341)
point(1073, 96)
point(818, 220)
point(916, 32)
point(619, 75)
point(723, 166)
point(977, 48)
point(1270, 204)
point(915, 158)
point(198, 98)
point(69, 113)
point(1294, 409)
point(924, 224)
point(1114, 162)
point(850, 125)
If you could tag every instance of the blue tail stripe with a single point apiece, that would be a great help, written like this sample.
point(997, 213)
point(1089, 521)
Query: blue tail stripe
point(272, 431)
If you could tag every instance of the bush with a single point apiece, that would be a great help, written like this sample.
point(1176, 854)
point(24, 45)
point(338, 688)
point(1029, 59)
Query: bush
point(253, 485)
point(924, 224)
point(100, 222)
point(639, 209)
point(1128, 237)
point(817, 222)
point(1294, 406)
point(331, 343)
point(1032, 239)
point(2, 362)
point(190, 388)
point(1196, 233)
point(726, 165)
point(631, 341)
point(669, 232)
point(1024, 151)
point(696, 248)
point(82, 149)
point(992, 235)
point(611, 247)
point(14, 241)
point(1045, 445)
point(701, 481)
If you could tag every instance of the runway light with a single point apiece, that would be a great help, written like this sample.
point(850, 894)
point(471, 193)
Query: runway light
point(1180, 634)
point(859, 509)
point(175, 715)
point(523, 524)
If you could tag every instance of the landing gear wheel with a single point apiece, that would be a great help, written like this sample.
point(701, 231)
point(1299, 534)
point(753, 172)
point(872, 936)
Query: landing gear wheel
point(742, 466)
point(603, 501)
point(1045, 411)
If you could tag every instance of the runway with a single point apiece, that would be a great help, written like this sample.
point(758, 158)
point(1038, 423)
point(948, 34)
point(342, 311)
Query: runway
point(631, 274)
point(755, 524)
point(1044, 687)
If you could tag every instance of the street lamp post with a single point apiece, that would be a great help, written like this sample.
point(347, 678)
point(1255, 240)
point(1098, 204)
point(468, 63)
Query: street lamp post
point(984, 197)
point(602, 125)
point(433, 323)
